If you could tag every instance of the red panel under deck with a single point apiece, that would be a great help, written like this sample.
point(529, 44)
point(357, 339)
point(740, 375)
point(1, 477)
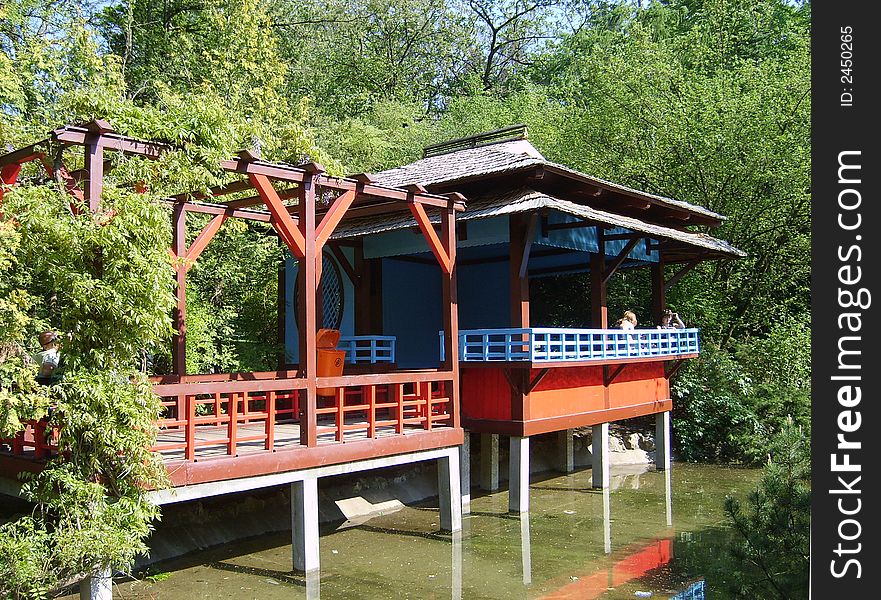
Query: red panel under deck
point(485, 394)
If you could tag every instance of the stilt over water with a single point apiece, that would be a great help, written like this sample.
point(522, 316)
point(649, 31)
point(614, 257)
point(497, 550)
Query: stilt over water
point(489, 462)
point(566, 450)
point(449, 492)
point(465, 473)
point(304, 524)
point(662, 440)
point(600, 456)
point(97, 587)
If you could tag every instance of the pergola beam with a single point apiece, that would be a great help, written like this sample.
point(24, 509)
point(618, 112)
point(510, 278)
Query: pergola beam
point(442, 255)
point(287, 228)
point(222, 209)
point(79, 136)
point(619, 260)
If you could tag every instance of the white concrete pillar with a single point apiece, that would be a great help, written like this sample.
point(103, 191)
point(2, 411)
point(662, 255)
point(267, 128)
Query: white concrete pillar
point(525, 548)
point(98, 586)
point(518, 475)
point(304, 524)
point(489, 462)
point(566, 451)
point(449, 492)
point(600, 455)
point(465, 471)
point(662, 440)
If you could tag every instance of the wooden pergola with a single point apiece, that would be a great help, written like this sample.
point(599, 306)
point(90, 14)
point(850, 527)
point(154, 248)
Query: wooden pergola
point(304, 205)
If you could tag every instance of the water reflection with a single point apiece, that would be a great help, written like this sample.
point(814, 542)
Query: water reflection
point(313, 585)
point(525, 549)
point(559, 544)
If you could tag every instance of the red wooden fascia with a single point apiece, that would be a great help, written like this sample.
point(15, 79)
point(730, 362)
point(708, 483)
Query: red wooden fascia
point(282, 222)
point(332, 218)
point(437, 247)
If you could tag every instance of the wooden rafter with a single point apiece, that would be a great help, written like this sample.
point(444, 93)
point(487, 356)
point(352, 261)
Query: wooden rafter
point(344, 262)
point(535, 381)
point(332, 218)
point(282, 221)
point(437, 247)
point(619, 260)
point(527, 246)
point(609, 377)
point(671, 370)
point(200, 243)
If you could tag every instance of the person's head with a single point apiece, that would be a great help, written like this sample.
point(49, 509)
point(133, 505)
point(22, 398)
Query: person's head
point(48, 339)
point(629, 315)
point(666, 316)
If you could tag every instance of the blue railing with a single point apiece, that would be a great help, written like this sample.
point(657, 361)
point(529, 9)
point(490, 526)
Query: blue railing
point(575, 345)
point(368, 349)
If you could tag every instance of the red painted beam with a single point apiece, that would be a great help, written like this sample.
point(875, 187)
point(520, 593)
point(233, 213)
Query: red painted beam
point(332, 218)
point(437, 247)
point(283, 223)
point(203, 239)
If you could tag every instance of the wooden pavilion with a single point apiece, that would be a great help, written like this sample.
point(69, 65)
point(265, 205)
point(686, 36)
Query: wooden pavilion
point(528, 217)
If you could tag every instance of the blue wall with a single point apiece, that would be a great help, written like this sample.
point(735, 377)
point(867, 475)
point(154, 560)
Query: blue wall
point(411, 311)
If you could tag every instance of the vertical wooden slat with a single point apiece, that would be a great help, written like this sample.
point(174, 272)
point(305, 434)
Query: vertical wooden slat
point(190, 403)
point(217, 408)
point(94, 163)
point(371, 412)
point(398, 391)
point(233, 425)
point(179, 246)
point(270, 420)
point(340, 413)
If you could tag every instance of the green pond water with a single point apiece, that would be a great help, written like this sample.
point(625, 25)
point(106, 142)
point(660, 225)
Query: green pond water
point(575, 543)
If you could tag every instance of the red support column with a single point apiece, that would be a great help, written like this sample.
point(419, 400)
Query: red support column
point(659, 290)
point(517, 228)
point(308, 322)
point(179, 247)
point(94, 163)
point(599, 314)
point(451, 316)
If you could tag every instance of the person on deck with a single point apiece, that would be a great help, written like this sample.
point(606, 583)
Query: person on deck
point(628, 321)
point(48, 359)
point(670, 320)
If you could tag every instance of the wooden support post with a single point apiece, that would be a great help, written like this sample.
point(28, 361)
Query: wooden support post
point(566, 451)
point(449, 492)
point(600, 456)
point(94, 163)
point(599, 314)
point(518, 227)
point(662, 441)
point(489, 461)
point(518, 474)
point(465, 472)
point(308, 321)
point(304, 524)
point(659, 290)
point(98, 586)
point(281, 313)
point(450, 305)
point(179, 247)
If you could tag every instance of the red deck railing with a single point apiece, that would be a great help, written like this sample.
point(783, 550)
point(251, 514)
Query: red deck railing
point(228, 414)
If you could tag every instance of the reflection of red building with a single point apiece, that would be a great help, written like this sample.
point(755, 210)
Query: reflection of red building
point(633, 566)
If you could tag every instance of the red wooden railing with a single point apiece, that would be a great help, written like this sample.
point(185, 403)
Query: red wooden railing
point(219, 413)
point(363, 406)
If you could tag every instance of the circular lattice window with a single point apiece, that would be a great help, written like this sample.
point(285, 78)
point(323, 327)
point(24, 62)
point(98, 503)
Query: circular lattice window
point(332, 294)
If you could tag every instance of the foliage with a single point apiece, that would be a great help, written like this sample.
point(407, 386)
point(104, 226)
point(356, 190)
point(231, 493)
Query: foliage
point(774, 523)
point(728, 405)
point(104, 282)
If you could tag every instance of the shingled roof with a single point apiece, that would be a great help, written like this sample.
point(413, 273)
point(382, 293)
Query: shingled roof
point(528, 200)
point(508, 157)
